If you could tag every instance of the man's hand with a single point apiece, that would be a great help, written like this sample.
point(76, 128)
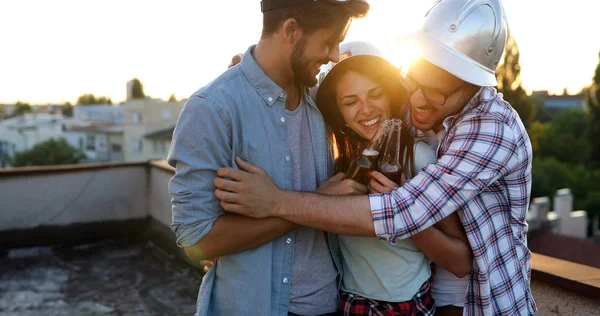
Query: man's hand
point(381, 184)
point(207, 264)
point(250, 192)
point(337, 185)
point(235, 60)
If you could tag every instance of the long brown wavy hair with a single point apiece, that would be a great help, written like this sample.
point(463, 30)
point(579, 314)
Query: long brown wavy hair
point(347, 144)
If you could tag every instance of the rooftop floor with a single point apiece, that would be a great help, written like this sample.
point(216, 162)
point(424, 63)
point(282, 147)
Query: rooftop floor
point(114, 277)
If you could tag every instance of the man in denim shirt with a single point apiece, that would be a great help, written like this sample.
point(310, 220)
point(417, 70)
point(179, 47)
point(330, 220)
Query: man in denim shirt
point(260, 110)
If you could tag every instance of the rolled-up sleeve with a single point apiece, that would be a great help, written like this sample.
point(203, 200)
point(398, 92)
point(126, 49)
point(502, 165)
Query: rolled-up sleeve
point(480, 152)
point(201, 145)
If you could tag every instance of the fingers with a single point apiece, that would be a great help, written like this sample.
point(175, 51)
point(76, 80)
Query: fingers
point(353, 187)
point(235, 174)
point(359, 188)
point(377, 187)
point(228, 185)
point(337, 178)
point(248, 166)
point(207, 263)
point(228, 197)
point(230, 207)
point(384, 180)
point(235, 60)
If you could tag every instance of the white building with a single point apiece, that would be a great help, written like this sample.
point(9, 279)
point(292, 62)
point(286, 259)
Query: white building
point(100, 142)
point(23, 132)
point(99, 113)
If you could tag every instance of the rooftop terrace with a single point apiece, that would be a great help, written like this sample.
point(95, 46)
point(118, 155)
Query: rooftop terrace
point(94, 240)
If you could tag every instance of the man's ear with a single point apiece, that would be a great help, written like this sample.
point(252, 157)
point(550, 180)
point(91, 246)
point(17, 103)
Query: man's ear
point(291, 30)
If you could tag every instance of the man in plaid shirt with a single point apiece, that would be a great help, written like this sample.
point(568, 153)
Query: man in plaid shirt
point(483, 170)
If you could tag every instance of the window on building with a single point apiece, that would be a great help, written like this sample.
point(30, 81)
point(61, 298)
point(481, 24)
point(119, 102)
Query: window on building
point(116, 148)
point(90, 143)
point(81, 143)
point(160, 146)
point(166, 114)
point(136, 118)
point(137, 145)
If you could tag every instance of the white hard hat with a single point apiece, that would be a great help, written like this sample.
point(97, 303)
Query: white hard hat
point(465, 37)
point(349, 49)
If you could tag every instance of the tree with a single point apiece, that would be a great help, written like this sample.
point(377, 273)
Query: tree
point(508, 75)
point(172, 98)
point(67, 109)
point(137, 89)
point(3, 113)
point(564, 137)
point(21, 108)
point(50, 152)
point(593, 109)
point(541, 113)
point(89, 99)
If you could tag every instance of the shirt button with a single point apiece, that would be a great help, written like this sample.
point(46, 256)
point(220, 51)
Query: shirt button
point(285, 280)
point(270, 99)
point(289, 240)
point(287, 158)
point(282, 119)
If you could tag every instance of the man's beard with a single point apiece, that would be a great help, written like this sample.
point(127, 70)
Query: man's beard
point(300, 67)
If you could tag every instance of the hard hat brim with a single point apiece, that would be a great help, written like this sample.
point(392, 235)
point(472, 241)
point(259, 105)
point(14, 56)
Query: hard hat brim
point(452, 61)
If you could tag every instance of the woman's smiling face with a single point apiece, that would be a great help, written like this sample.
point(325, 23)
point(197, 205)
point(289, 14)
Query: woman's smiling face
point(363, 103)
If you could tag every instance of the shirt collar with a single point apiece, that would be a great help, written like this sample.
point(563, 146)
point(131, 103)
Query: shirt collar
point(484, 95)
point(266, 87)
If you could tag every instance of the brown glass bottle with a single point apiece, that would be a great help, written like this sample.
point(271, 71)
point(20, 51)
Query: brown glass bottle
point(361, 167)
point(390, 163)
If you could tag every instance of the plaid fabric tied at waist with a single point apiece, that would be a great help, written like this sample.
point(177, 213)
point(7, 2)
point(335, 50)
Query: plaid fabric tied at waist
point(422, 304)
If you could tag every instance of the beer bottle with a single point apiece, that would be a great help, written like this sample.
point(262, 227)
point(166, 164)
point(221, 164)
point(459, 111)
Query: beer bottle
point(361, 167)
point(390, 163)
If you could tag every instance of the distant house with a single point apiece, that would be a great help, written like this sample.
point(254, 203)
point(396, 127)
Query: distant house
point(23, 132)
point(148, 128)
point(556, 103)
point(160, 140)
point(99, 113)
point(100, 142)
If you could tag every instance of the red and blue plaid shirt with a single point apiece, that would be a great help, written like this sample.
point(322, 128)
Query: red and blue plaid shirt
point(483, 173)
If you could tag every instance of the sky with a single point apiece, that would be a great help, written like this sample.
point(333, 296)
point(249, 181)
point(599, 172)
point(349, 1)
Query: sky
point(52, 51)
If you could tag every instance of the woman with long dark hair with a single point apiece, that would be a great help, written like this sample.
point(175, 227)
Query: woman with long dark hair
point(355, 96)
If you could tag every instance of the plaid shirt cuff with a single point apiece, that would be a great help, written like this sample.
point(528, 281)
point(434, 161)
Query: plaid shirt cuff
point(383, 217)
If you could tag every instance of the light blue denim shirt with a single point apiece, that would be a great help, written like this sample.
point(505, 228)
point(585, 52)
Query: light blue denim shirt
point(240, 113)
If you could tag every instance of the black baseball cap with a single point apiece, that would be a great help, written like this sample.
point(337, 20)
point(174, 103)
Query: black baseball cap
point(271, 5)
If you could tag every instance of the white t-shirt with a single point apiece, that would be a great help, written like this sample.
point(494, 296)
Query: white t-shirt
point(447, 289)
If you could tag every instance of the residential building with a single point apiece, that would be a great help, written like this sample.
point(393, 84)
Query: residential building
point(99, 113)
point(147, 123)
point(160, 140)
point(100, 142)
point(23, 132)
point(556, 103)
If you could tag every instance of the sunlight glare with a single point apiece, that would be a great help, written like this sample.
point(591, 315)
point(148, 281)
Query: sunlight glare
point(404, 54)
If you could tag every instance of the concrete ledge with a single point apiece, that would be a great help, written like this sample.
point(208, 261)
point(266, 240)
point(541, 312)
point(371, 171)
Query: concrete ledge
point(38, 170)
point(161, 164)
point(572, 276)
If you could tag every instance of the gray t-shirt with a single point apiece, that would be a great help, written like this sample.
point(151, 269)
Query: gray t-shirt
point(313, 288)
